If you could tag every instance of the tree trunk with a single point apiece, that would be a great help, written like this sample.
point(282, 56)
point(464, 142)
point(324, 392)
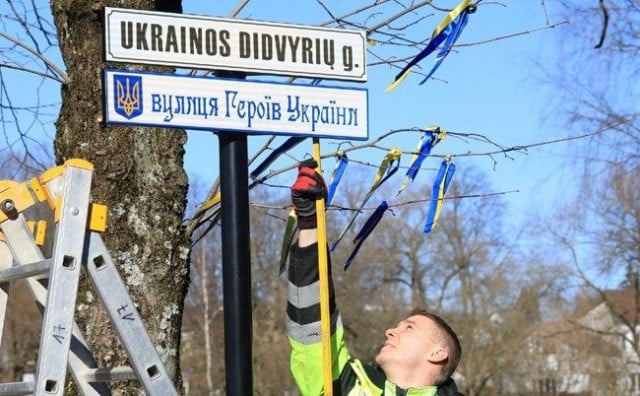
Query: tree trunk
point(139, 174)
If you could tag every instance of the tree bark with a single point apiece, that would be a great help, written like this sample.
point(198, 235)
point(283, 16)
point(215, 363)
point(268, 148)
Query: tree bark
point(139, 174)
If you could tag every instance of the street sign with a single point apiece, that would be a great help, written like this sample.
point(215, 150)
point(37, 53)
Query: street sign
point(197, 102)
point(193, 41)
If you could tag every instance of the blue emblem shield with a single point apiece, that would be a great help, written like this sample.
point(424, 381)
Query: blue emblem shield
point(128, 95)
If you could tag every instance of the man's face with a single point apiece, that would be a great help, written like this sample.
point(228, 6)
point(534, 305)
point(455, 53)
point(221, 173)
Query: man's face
point(409, 344)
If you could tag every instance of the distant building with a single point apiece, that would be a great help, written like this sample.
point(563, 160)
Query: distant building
point(596, 354)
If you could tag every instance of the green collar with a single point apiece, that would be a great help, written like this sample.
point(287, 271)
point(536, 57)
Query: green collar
point(392, 389)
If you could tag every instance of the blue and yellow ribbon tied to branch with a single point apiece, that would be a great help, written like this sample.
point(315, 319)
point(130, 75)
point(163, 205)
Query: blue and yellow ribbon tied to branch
point(440, 187)
point(432, 136)
point(389, 165)
point(447, 32)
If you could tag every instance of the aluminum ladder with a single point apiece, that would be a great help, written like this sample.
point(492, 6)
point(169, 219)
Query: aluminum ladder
point(53, 282)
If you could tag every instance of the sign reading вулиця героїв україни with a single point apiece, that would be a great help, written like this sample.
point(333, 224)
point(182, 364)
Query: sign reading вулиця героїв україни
point(197, 102)
point(193, 41)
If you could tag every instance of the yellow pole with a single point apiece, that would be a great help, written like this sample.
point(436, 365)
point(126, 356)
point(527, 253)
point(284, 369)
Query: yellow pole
point(325, 319)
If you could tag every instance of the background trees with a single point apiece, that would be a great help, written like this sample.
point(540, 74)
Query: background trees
point(593, 80)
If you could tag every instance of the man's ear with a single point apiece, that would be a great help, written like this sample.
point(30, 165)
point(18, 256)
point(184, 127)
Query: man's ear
point(437, 355)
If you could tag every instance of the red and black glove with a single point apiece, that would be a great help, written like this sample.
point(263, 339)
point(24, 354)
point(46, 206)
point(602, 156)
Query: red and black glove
point(308, 188)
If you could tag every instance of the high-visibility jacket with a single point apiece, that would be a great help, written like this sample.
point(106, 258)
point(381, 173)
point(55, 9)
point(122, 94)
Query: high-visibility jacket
point(350, 376)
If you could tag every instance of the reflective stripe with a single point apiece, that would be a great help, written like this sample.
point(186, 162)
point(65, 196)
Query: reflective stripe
point(303, 297)
point(311, 333)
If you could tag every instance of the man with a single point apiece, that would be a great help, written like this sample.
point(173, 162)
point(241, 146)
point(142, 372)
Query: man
point(418, 357)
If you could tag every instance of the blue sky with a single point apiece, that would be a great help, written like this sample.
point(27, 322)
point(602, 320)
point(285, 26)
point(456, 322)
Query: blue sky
point(490, 89)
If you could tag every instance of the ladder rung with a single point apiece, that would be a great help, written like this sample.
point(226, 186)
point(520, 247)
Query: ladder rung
point(16, 388)
point(25, 271)
point(110, 374)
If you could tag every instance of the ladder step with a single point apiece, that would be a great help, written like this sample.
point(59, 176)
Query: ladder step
point(16, 388)
point(25, 271)
point(110, 374)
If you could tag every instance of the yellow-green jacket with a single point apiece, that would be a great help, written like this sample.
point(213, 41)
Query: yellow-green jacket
point(350, 376)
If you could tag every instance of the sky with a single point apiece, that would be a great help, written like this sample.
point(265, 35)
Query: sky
point(491, 89)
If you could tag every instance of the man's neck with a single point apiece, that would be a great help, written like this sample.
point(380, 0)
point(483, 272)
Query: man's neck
point(410, 378)
point(398, 390)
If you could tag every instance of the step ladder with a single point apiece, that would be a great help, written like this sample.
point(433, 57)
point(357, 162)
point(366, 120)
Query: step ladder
point(53, 283)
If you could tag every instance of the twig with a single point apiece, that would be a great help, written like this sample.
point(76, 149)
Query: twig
point(44, 59)
point(238, 8)
point(508, 36)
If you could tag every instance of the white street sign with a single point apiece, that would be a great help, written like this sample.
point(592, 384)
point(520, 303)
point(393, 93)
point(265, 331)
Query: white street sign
point(193, 41)
point(196, 102)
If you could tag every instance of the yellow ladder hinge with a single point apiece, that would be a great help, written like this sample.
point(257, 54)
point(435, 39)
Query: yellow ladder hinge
point(38, 229)
point(98, 217)
point(14, 198)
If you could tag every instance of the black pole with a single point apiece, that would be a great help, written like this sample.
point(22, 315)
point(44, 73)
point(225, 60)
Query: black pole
point(236, 263)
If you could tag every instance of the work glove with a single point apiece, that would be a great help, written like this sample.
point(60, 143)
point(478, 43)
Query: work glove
point(308, 187)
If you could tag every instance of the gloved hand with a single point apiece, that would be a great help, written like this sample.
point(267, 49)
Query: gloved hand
point(308, 187)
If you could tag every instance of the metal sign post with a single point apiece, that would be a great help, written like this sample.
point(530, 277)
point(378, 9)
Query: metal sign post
point(236, 264)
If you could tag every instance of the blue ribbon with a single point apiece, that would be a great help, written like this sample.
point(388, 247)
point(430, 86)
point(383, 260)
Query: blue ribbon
point(287, 145)
point(338, 171)
point(368, 226)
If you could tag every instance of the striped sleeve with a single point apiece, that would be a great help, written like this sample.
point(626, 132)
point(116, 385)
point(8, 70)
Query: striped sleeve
point(303, 322)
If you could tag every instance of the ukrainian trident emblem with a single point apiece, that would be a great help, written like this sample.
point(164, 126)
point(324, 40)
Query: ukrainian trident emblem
point(128, 95)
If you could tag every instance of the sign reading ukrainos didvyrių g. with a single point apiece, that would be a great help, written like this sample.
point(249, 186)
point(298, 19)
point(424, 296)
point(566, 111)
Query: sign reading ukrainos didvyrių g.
point(192, 41)
point(191, 102)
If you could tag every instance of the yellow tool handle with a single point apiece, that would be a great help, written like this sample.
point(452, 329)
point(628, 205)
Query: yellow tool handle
point(325, 319)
